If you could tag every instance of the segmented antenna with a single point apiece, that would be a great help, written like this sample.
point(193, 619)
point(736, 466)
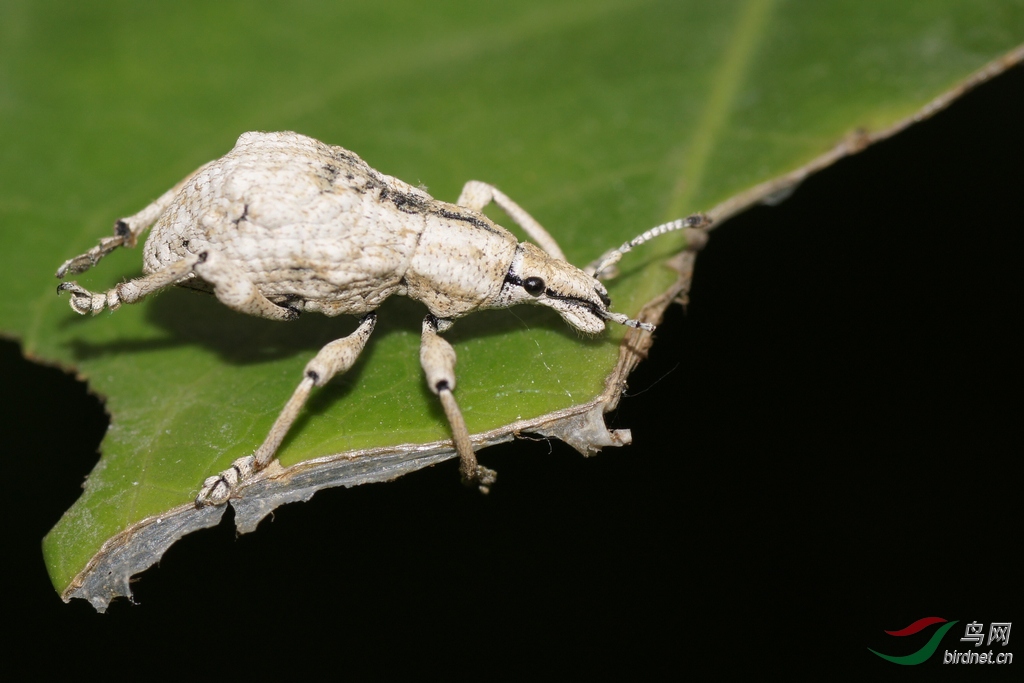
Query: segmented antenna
point(627, 321)
point(612, 256)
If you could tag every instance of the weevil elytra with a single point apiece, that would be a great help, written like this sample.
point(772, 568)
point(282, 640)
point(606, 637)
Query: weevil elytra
point(284, 224)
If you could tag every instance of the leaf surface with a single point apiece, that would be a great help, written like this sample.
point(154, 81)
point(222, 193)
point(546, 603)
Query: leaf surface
point(600, 118)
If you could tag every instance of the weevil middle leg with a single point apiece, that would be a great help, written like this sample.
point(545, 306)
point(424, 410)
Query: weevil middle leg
point(438, 360)
point(336, 357)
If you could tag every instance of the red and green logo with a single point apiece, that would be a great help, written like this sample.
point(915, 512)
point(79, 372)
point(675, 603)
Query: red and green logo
point(928, 649)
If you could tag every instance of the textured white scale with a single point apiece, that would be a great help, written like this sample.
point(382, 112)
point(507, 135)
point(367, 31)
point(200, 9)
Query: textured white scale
point(269, 207)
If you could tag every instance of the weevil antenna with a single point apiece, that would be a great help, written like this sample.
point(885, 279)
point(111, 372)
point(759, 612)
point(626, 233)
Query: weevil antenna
point(628, 322)
point(697, 221)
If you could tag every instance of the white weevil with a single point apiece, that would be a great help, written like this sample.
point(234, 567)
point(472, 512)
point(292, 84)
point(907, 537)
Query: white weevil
point(284, 223)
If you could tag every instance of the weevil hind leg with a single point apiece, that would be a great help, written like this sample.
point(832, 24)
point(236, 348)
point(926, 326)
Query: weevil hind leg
point(477, 194)
point(438, 360)
point(230, 285)
point(127, 231)
point(334, 358)
point(83, 301)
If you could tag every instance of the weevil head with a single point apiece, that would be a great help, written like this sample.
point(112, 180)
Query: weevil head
point(580, 298)
point(537, 278)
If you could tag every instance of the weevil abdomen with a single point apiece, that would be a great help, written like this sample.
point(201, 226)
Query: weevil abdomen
point(315, 228)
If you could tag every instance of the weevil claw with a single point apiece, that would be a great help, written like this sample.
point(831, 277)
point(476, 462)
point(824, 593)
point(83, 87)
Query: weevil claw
point(82, 300)
point(218, 488)
point(483, 478)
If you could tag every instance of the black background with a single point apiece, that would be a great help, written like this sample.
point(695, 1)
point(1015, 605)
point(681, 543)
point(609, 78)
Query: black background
point(823, 448)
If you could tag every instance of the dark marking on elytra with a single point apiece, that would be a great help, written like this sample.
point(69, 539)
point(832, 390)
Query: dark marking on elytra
point(403, 201)
point(328, 173)
point(244, 216)
point(406, 202)
point(346, 157)
point(475, 221)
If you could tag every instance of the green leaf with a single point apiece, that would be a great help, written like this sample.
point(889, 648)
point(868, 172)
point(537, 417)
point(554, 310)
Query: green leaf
point(600, 118)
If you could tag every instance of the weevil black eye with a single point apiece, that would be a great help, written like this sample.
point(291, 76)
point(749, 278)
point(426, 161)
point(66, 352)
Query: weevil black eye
point(533, 285)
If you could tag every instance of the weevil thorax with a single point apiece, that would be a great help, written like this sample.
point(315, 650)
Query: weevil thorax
point(534, 277)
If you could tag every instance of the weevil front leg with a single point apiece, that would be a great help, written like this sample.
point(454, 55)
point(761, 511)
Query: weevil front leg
point(338, 356)
point(477, 194)
point(126, 231)
point(438, 360)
